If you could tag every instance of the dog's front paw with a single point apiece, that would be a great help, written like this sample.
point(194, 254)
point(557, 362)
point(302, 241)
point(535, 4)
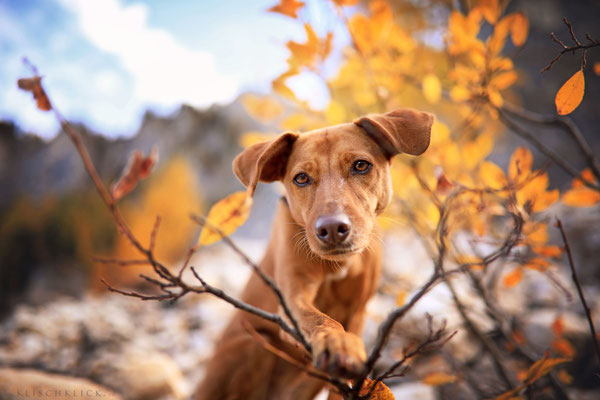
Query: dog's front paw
point(339, 353)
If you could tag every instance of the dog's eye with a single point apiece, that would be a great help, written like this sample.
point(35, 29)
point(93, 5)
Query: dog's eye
point(301, 179)
point(361, 167)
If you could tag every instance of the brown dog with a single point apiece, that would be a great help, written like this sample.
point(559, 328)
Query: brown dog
point(324, 253)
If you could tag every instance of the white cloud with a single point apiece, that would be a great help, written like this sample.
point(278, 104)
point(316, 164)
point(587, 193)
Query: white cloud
point(165, 73)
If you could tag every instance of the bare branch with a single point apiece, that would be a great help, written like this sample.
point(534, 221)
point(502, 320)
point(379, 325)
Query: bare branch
point(265, 278)
point(566, 124)
point(586, 308)
point(573, 49)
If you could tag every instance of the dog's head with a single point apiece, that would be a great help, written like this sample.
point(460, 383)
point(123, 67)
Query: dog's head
point(337, 179)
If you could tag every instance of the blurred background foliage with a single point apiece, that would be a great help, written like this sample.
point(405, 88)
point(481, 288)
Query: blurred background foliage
point(474, 64)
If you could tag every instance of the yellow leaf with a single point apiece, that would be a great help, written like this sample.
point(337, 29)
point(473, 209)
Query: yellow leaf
point(227, 215)
point(581, 197)
point(287, 7)
point(519, 28)
point(432, 89)
point(570, 94)
point(520, 164)
point(381, 391)
point(460, 93)
point(513, 278)
point(335, 113)
point(492, 175)
point(263, 109)
point(503, 80)
point(294, 122)
point(490, 10)
point(438, 379)
point(281, 88)
point(250, 138)
point(401, 298)
point(536, 232)
point(495, 98)
point(477, 150)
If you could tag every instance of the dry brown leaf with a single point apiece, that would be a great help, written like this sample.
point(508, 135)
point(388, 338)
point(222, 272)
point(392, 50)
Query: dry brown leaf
point(226, 215)
point(34, 85)
point(138, 168)
point(570, 94)
point(381, 391)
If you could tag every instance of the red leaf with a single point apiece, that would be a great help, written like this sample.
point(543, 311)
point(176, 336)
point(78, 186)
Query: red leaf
point(137, 168)
point(34, 85)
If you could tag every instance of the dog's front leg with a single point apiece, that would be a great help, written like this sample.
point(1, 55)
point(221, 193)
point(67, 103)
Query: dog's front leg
point(334, 350)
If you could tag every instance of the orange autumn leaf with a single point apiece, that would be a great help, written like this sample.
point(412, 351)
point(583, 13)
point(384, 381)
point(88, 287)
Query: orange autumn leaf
point(280, 87)
point(542, 367)
point(34, 85)
point(346, 2)
point(558, 326)
point(520, 164)
point(586, 176)
point(250, 138)
point(381, 391)
point(519, 337)
point(564, 377)
point(513, 278)
point(597, 68)
point(401, 298)
point(492, 175)
point(490, 10)
point(548, 251)
point(581, 197)
point(504, 80)
point(519, 28)
point(563, 347)
point(138, 168)
point(265, 109)
point(308, 53)
point(226, 215)
point(570, 94)
point(287, 7)
point(432, 89)
point(438, 379)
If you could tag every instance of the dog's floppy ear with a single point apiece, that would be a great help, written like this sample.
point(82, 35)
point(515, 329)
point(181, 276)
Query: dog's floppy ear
point(264, 161)
point(400, 131)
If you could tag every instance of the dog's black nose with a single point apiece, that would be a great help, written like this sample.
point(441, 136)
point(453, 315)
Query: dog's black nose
point(333, 229)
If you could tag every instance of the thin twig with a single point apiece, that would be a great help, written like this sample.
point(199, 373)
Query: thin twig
point(572, 49)
point(586, 308)
point(264, 277)
point(520, 131)
point(565, 123)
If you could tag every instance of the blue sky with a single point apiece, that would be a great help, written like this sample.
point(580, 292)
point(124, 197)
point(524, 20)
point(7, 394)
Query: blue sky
point(105, 62)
